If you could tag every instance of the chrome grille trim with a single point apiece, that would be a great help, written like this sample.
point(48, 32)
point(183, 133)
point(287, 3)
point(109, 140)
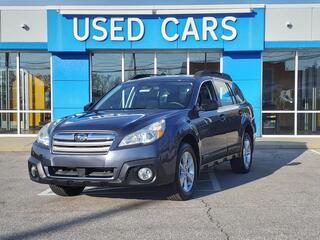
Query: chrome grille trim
point(95, 143)
point(82, 144)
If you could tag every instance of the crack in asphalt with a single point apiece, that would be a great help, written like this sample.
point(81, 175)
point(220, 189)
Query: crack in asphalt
point(210, 215)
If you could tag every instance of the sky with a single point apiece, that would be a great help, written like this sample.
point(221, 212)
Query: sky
point(143, 2)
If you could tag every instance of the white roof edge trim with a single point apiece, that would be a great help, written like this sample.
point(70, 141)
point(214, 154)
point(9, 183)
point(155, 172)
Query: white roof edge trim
point(154, 12)
point(132, 7)
point(157, 7)
point(160, 7)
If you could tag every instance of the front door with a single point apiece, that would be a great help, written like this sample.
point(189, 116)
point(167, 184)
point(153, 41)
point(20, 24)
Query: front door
point(209, 124)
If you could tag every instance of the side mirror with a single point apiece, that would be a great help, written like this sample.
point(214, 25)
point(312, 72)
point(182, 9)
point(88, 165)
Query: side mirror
point(87, 107)
point(211, 106)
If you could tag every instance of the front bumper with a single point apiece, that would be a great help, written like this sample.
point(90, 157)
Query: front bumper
point(124, 162)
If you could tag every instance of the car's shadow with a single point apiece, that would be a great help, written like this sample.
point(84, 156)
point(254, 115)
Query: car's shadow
point(266, 162)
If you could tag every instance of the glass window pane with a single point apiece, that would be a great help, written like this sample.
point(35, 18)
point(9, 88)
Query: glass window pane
point(278, 81)
point(35, 83)
point(278, 123)
point(147, 95)
point(138, 63)
point(106, 73)
point(206, 95)
point(172, 63)
point(8, 81)
point(309, 81)
point(309, 123)
point(204, 61)
point(237, 93)
point(8, 123)
point(223, 93)
point(31, 123)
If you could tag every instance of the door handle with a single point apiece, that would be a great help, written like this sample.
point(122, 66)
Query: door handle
point(222, 117)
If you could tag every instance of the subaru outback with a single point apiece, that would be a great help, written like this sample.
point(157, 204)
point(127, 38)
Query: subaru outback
point(150, 131)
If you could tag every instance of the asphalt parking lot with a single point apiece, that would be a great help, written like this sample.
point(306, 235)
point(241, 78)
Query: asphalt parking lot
point(278, 199)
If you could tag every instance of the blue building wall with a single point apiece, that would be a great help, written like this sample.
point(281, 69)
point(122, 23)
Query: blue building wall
point(70, 57)
point(245, 69)
point(250, 33)
point(70, 80)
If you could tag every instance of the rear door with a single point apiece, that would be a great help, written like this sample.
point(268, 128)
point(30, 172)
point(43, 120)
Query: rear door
point(232, 112)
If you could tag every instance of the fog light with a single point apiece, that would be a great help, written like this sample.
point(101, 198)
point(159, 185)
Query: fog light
point(34, 171)
point(145, 174)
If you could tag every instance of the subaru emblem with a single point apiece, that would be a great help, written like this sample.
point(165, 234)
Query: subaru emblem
point(81, 137)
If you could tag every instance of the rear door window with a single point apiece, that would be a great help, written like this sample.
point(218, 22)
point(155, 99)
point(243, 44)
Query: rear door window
point(223, 93)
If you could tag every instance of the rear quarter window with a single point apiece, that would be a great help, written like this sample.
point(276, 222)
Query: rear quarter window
point(237, 93)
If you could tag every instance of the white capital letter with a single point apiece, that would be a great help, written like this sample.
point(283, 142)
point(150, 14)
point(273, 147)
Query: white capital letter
point(76, 32)
point(99, 28)
point(141, 27)
point(164, 29)
point(114, 29)
point(190, 32)
point(210, 29)
point(230, 28)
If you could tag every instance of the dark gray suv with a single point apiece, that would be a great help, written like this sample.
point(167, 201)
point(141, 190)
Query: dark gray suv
point(160, 130)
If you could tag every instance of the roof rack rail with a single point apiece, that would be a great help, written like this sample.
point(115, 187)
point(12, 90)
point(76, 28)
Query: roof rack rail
point(205, 73)
point(144, 75)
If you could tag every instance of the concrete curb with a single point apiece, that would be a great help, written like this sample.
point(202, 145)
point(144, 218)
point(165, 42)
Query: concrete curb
point(16, 144)
point(288, 143)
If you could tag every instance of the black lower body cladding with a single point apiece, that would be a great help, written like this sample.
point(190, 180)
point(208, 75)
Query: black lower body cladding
point(116, 168)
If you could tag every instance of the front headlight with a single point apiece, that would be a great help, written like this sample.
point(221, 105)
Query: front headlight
point(145, 135)
point(43, 135)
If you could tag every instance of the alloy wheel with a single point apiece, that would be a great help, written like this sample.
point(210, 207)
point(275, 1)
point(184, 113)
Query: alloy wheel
point(186, 171)
point(246, 152)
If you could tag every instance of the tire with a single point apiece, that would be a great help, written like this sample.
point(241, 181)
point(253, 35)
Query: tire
point(66, 191)
point(244, 162)
point(186, 174)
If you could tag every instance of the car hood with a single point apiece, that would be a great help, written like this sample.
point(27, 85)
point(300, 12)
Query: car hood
point(112, 121)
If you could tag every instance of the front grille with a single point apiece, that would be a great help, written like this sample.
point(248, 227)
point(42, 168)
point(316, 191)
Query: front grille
point(81, 172)
point(75, 143)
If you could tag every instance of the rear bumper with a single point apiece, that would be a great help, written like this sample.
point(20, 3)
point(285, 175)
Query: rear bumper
point(125, 164)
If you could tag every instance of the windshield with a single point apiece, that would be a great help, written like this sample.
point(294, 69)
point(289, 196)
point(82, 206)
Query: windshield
point(147, 95)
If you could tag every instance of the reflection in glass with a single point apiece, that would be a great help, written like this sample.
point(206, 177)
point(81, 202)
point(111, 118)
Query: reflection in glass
point(308, 123)
point(278, 80)
point(204, 61)
point(278, 123)
point(8, 123)
point(172, 63)
point(138, 63)
point(31, 123)
point(106, 73)
point(147, 95)
point(223, 92)
point(35, 83)
point(8, 81)
point(309, 81)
